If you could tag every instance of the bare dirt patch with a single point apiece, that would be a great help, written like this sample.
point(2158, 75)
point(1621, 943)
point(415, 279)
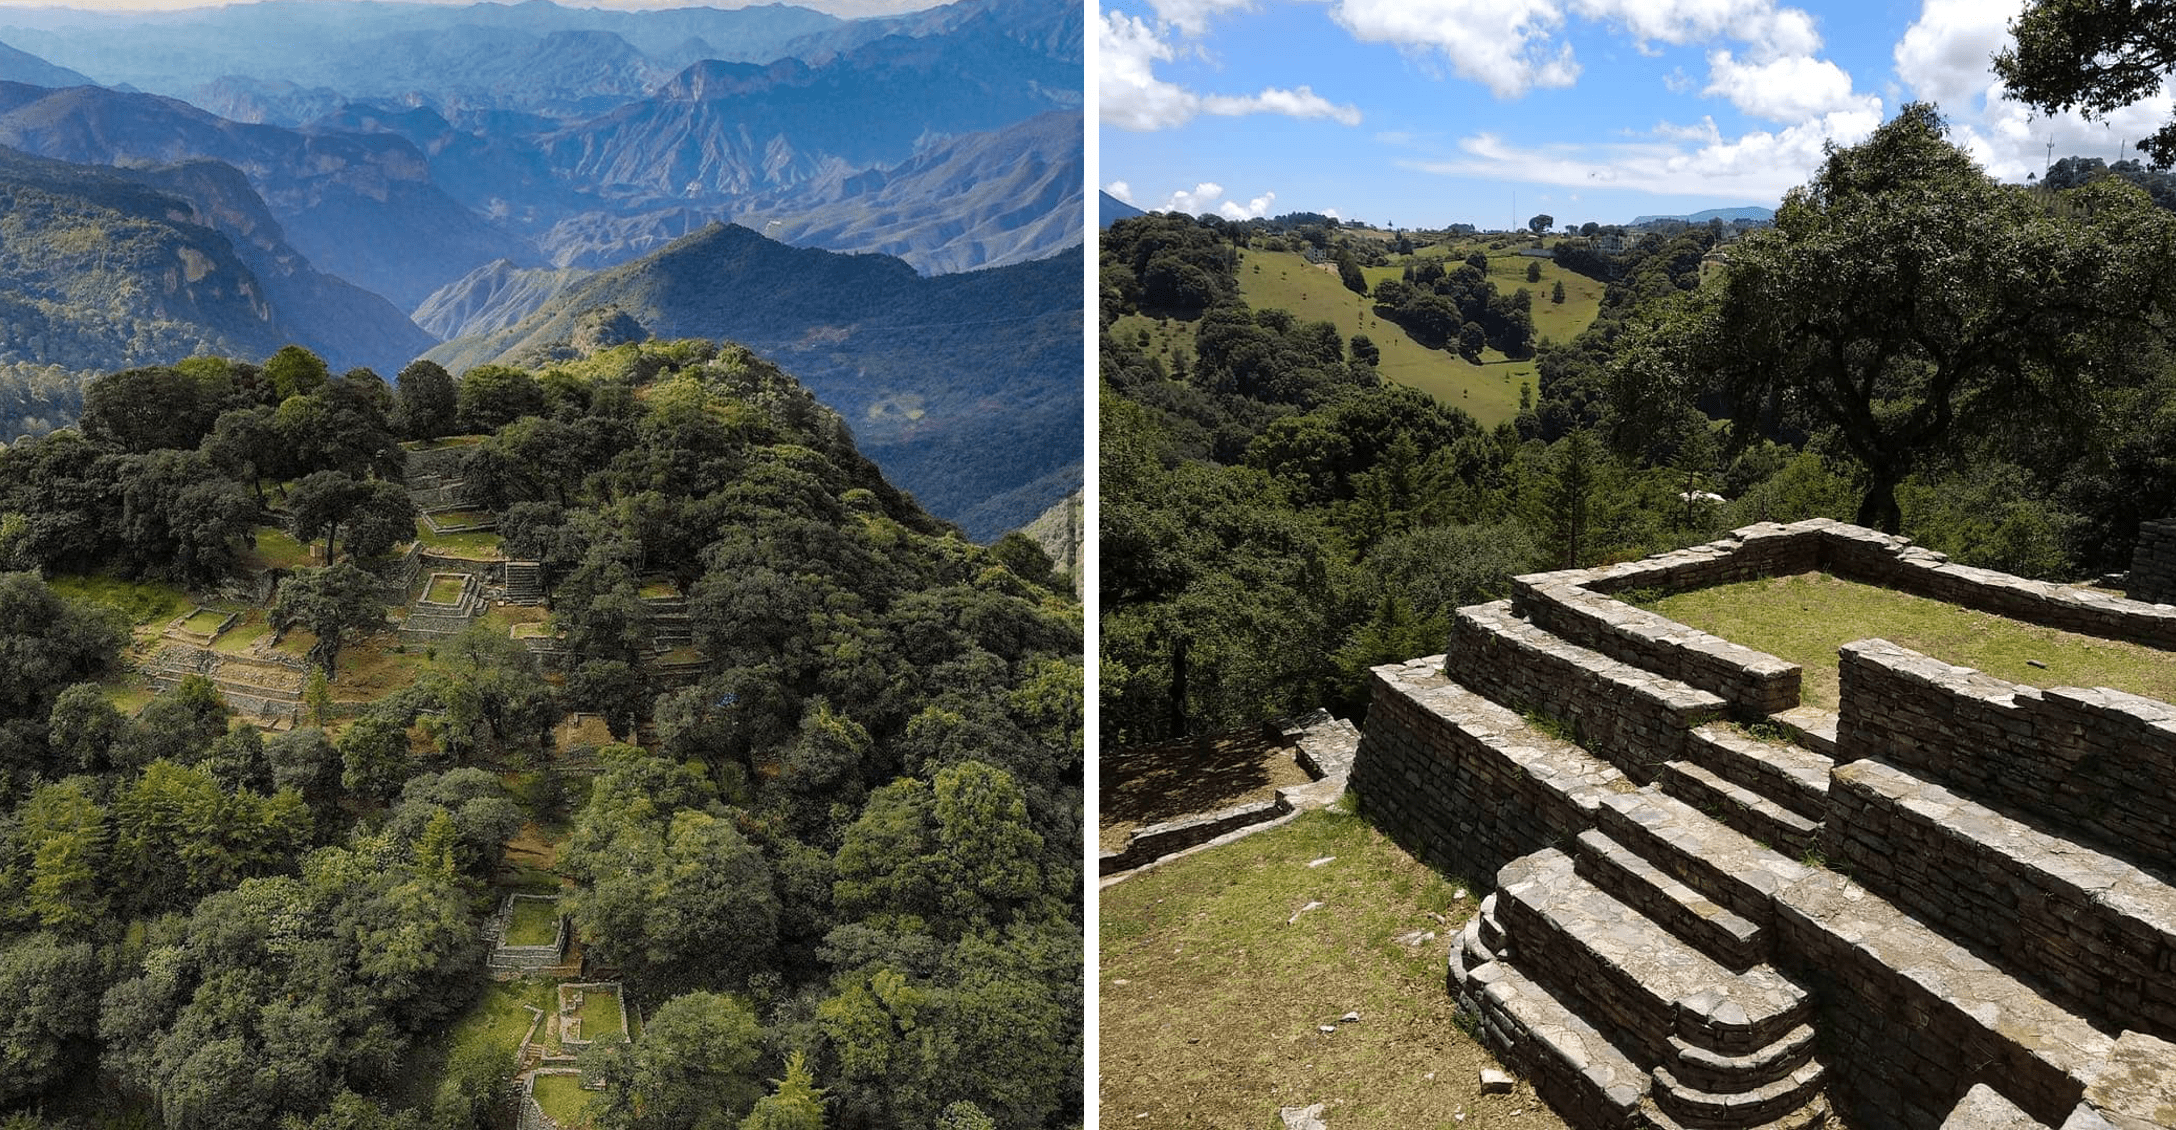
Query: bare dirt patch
point(1149, 784)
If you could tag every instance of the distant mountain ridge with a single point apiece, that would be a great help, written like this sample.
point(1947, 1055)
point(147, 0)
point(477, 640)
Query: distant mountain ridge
point(1749, 212)
point(22, 66)
point(360, 206)
point(493, 297)
point(1110, 209)
point(964, 387)
point(1014, 195)
point(105, 269)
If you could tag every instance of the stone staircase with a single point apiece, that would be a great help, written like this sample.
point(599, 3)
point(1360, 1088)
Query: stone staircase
point(1951, 902)
point(524, 582)
point(430, 621)
point(1627, 972)
point(1636, 996)
point(264, 691)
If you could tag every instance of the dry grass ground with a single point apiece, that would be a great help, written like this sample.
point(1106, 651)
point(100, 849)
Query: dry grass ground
point(1145, 785)
point(1805, 618)
point(1215, 988)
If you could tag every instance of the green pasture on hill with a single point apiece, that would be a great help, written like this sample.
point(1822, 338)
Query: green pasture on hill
point(1488, 391)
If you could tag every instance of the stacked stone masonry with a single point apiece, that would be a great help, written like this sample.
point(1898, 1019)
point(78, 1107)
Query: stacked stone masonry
point(1665, 947)
point(2153, 563)
point(2098, 762)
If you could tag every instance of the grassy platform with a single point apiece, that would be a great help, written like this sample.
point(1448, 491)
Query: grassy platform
point(204, 622)
point(278, 549)
point(533, 924)
point(480, 543)
point(1214, 994)
point(445, 589)
point(563, 1099)
point(143, 602)
point(1805, 618)
point(601, 1015)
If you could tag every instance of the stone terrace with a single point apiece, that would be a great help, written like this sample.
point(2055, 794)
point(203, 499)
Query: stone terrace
point(1947, 903)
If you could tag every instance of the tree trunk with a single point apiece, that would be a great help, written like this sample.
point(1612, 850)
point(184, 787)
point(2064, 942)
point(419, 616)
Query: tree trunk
point(1878, 510)
point(1177, 717)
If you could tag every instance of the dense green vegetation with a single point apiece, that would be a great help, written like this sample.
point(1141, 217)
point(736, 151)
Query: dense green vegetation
point(846, 857)
point(1994, 382)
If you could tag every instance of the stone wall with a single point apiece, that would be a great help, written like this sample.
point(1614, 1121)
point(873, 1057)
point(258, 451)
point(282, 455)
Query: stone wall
point(2153, 563)
point(490, 571)
point(1754, 682)
point(2088, 930)
point(2097, 762)
point(1909, 1022)
point(1628, 717)
point(1462, 783)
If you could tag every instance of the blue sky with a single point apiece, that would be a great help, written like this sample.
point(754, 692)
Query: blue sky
point(1421, 113)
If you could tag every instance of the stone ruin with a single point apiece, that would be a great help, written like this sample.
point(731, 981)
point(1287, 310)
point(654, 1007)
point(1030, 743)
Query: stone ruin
point(2153, 563)
point(1946, 904)
point(430, 621)
point(1321, 745)
point(508, 961)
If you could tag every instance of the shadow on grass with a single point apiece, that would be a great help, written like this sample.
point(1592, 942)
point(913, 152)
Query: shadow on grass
point(1147, 784)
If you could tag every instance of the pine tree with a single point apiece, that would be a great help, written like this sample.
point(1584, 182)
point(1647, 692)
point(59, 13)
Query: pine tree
point(795, 1103)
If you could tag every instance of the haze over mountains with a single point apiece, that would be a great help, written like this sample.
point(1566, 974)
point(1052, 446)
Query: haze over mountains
point(383, 175)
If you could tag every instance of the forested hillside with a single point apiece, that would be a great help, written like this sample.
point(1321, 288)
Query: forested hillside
point(285, 715)
point(1276, 519)
point(965, 387)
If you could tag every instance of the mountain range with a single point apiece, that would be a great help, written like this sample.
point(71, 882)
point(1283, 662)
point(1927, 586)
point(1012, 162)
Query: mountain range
point(1726, 215)
point(104, 269)
point(380, 175)
point(965, 388)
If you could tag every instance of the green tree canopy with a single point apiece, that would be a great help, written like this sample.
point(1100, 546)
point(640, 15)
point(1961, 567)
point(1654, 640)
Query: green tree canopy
point(1901, 290)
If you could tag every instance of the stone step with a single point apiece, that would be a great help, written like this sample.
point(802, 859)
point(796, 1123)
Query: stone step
point(1816, 1114)
point(1699, 1067)
point(1984, 1108)
point(1814, 727)
point(1632, 718)
point(1785, 772)
point(1728, 938)
point(1743, 809)
point(1780, 1102)
point(1587, 1077)
point(1638, 978)
point(1705, 854)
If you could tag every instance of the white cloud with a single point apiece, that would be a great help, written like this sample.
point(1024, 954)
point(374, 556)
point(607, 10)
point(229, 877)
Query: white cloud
point(1503, 44)
point(1202, 199)
point(1791, 88)
point(1120, 190)
point(1943, 58)
point(1133, 98)
point(1769, 30)
point(1252, 209)
point(1191, 17)
point(1678, 160)
point(1332, 213)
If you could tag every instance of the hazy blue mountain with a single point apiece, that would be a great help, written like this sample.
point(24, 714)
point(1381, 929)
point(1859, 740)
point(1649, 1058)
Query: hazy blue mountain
point(546, 54)
point(721, 129)
point(493, 297)
point(982, 200)
point(21, 66)
point(362, 207)
point(345, 324)
point(1110, 209)
point(965, 388)
point(1726, 215)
